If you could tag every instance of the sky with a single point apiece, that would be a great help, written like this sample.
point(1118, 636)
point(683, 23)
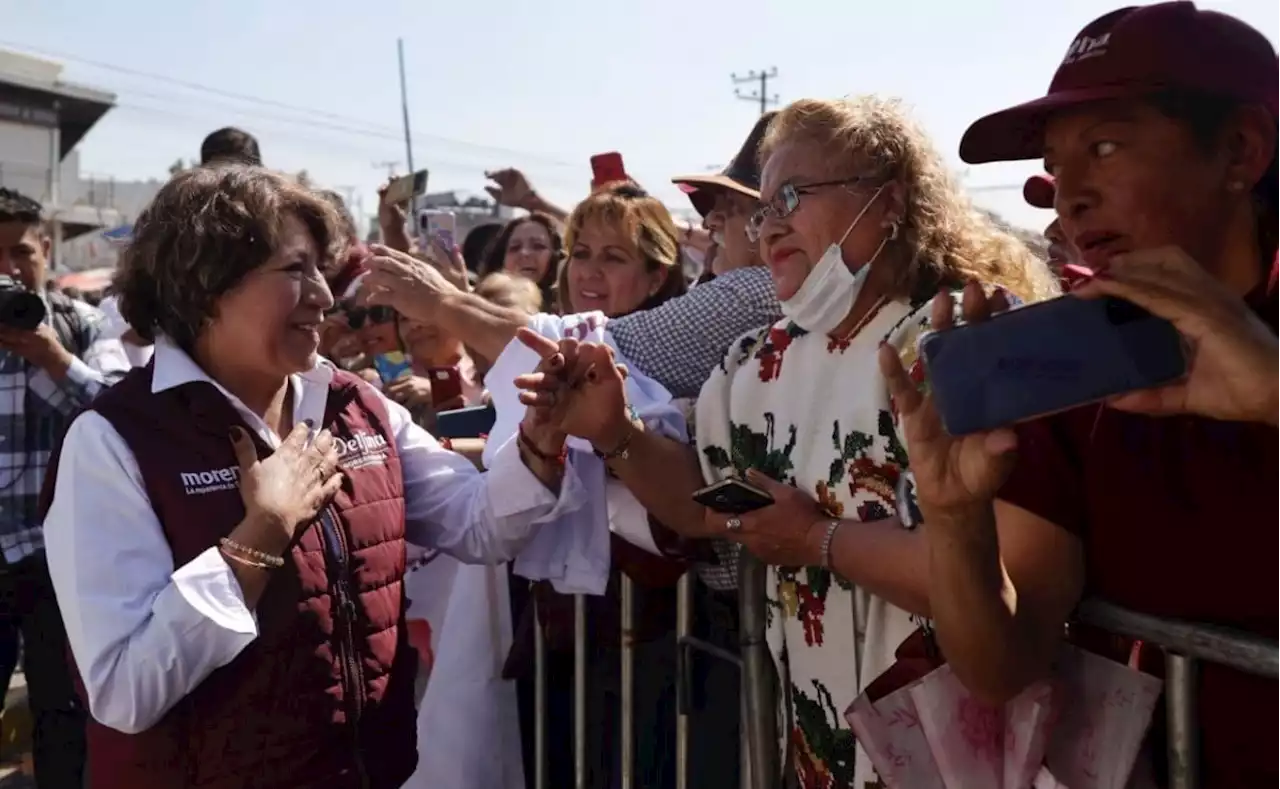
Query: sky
point(541, 85)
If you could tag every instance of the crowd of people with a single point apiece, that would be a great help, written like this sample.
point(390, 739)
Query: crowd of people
point(233, 487)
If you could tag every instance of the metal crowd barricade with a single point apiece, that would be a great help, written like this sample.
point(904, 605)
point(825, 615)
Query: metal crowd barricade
point(1185, 645)
point(758, 720)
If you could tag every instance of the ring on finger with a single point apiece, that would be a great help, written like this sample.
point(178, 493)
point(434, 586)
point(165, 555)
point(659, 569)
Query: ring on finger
point(733, 524)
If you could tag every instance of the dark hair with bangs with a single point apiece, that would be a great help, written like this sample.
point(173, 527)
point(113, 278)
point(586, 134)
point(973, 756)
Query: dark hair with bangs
point(202, 234)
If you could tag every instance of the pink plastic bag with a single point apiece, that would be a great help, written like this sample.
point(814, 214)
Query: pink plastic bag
point(978, 744)
point(1081, 730)
point(889, 731)
point(1096, 743)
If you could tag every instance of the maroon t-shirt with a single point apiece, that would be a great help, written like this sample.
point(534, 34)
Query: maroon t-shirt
point(1178, 518)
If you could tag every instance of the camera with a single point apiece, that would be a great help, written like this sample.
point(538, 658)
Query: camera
point(19, 307)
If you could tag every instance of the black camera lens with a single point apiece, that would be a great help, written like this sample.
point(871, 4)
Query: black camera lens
point(19, 307)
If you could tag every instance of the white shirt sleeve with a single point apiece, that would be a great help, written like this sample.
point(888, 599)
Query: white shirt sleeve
point(143, 634)
point(478, 518)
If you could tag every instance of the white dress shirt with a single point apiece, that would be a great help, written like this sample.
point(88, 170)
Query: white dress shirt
point(144, 633)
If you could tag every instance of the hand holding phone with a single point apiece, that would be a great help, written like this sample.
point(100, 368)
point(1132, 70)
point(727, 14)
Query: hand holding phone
point(1232, 374)
point(1045, 358)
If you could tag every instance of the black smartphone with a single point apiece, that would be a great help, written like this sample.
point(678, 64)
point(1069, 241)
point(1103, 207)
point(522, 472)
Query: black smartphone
point(1045, 358)
point(732, 497)
point(465, 422)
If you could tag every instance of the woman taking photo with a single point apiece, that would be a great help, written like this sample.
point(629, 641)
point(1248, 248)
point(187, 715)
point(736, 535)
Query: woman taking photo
point(1160, 501)
point(227, 529)
point(860, 225)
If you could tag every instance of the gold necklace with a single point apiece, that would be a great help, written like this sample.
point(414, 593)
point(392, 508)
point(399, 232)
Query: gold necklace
point(862, 323)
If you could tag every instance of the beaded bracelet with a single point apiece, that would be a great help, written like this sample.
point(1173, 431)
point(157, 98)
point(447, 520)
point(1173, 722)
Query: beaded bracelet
point(827, 539)
point(231, 546)
point(523, 440)
point(246, 562)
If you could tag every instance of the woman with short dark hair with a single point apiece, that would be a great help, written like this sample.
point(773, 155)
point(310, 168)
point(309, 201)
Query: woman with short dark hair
point(227, 530)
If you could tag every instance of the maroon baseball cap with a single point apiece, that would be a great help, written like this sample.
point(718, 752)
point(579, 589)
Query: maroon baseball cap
point(1131, 53)
point(1039, 191)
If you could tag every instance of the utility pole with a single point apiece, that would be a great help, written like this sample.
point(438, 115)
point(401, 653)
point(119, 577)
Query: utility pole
point(760, 94)
point(404, 106)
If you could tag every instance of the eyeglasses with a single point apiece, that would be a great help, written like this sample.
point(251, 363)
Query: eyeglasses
point(785, 202)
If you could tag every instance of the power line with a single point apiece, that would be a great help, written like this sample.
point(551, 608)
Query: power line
point(371, 128)
point(760, 94)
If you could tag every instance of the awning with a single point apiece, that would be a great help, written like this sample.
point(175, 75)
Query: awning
point(94, 279)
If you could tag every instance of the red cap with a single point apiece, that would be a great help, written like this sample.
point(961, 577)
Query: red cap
point(1039, 191)
point(1135, 52)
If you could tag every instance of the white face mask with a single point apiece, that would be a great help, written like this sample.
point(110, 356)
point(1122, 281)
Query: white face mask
point(829, 291)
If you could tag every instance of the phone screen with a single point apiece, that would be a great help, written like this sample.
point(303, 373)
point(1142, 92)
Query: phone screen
point(392, 366)
point(1045, 358)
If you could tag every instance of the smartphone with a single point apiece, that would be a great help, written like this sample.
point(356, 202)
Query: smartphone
point(442, 225)
point(1047, 357)
point(446, 385)
point(407, 187)
point(465, 422)
point(392, 366)
point(732, 497)
point(606, 168)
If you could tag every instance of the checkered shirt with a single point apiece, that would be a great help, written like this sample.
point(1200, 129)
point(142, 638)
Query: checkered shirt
point(679, 343)
point(35, 410)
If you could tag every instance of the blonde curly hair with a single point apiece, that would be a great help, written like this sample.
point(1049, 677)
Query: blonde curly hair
point(947, 240)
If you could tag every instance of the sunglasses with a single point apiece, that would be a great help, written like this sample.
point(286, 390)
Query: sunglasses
point(357, 317)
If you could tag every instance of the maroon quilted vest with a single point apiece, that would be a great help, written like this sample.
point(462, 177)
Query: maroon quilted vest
point(324, 696)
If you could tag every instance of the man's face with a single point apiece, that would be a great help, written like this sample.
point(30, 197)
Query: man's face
point(24, 253)
point(727, 223)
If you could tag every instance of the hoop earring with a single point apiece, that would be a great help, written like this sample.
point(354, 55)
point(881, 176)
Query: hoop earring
point(893, 231)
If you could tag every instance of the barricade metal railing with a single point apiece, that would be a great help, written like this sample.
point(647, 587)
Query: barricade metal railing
point(1185, 645)
point(754, 700)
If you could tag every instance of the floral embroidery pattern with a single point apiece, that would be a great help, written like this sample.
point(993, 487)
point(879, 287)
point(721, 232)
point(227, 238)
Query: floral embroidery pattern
point(749, 449)
point(824, 751)
point(859, 472)
point(775, 344)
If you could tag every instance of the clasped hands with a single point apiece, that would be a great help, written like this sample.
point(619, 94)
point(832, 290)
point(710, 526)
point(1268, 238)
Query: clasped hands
point(577, 389)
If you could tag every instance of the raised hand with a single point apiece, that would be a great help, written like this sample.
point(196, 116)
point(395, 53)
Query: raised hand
point(288, 488)
point(391, 219)
point(950, 471)
point(512, 188)
point(577, 388)
point(1232, 359)
point(410, 286)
